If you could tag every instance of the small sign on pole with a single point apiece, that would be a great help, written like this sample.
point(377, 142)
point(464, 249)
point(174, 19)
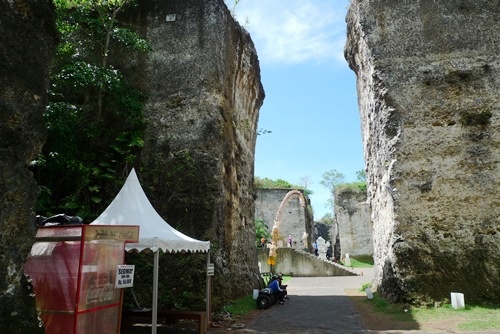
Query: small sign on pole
point(210, 269)
point(124, 276)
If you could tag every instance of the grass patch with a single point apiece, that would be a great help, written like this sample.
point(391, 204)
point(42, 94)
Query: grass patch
point(246, 304)
point(365, 261)
point(470, 318)
point(353, 186)
point(396, 311)
point(485, 319)
point(242, 306)
point(475, 317)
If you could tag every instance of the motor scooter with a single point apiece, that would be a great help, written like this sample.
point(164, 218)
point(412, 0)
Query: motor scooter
point(266, 298)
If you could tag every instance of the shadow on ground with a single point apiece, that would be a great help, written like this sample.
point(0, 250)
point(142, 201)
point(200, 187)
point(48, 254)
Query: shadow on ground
point(382, 322)
point(300, 314)
point(179, 327)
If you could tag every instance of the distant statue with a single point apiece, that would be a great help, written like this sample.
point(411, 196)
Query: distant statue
point(304, 240)
point(322, 247)
point(271, 260)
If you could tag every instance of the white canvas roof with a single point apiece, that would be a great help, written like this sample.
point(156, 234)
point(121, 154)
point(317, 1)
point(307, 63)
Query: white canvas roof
point(132, 207)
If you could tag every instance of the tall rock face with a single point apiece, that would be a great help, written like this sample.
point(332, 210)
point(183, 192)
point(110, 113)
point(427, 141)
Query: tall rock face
point(353, 223)
point(428, 80)
point(27, 40)
point(203, 87)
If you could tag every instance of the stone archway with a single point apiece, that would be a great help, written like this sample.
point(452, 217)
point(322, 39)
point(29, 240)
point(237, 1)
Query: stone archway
point(277, 239)
point(295, 231)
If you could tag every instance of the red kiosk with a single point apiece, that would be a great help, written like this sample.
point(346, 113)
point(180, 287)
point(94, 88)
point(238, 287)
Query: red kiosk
point(74, 271)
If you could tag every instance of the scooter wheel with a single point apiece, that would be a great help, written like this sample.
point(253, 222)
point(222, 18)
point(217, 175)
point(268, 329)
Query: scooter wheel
point(263, 302)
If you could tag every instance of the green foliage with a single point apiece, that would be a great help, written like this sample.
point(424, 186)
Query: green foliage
point(263, 132)
point(362, 261)
point(331, 179)
point(130, 39)
point(94, 118)
point(261, 230)
point(327, 218)
point(178, 288)
point(232, 8)
point(384, 306)
point(365, 286)
point(354, 186)
point(361, 176)
point(241, 306)
point(266, 183)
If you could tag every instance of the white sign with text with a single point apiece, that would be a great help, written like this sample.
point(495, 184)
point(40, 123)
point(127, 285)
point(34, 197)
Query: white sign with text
point(124, 276)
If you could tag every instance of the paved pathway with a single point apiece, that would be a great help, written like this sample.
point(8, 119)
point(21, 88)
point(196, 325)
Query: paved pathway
point(317, 305)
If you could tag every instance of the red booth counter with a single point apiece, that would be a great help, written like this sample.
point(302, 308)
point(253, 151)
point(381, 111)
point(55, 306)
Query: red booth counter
point(73, 272)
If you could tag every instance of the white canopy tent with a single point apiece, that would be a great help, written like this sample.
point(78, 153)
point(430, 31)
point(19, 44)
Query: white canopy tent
point(132, 207)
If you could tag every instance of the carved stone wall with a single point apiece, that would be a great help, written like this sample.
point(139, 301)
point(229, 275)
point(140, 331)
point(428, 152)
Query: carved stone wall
point(428, 77)
point(295, 219)
point(353, 218)
point(27, 40)
point(202, 81)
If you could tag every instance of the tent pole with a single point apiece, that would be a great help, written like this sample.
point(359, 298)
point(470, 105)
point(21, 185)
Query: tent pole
point(154, 315)
point(207, 306)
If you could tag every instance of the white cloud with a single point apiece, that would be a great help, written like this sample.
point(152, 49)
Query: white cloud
point(295, 31)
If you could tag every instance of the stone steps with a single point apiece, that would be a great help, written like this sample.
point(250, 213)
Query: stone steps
point(299, 263)
point(338, 265)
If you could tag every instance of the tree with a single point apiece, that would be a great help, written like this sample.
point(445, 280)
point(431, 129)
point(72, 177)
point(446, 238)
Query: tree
point(361, 175)
point(261, 230)
point(358, 185)
point(327, 218)
point(332, 179)
point(94, 118)
point(231, 5)
point(305, 182)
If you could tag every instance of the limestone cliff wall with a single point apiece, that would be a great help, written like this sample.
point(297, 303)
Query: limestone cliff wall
point(27, 39)
point(354, 225)
point(428, 79)
point(202, 81)
point(295, 219)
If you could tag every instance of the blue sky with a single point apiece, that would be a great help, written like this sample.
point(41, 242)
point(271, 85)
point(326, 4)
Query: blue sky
point(311, 103)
